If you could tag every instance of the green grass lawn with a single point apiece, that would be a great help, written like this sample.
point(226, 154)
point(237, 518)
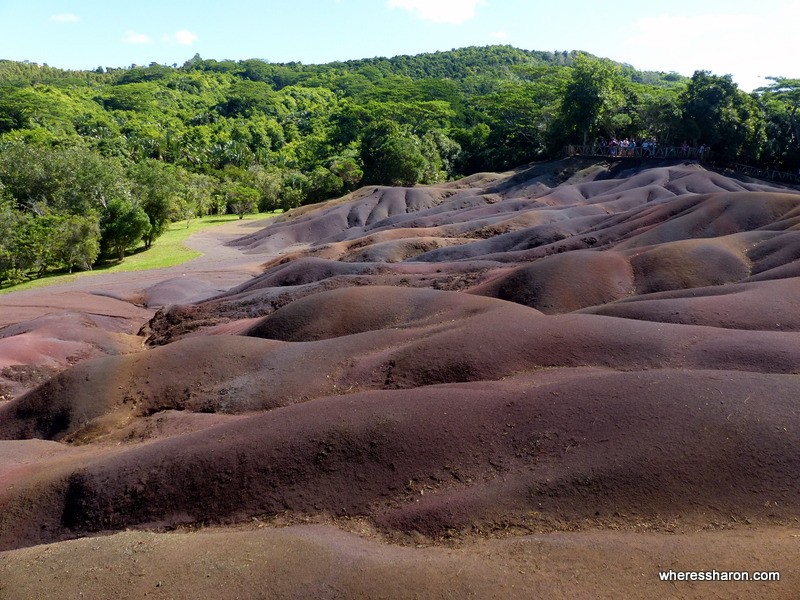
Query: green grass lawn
point(167, 251)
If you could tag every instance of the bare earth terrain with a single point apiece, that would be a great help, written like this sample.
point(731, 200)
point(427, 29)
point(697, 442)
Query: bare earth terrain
point(553, 382)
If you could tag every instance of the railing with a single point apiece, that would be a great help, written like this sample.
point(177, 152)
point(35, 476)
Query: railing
point(766, 173)
point(676, 152)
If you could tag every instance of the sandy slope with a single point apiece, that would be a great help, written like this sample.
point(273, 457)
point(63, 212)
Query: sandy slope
point(554, 381)
point(315, 561)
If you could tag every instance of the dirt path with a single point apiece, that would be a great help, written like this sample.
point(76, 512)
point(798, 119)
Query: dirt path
point(45, 330)
point(220, 266)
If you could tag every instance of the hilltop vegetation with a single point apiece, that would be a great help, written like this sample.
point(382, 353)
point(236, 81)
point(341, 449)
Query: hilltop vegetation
point(93, 163)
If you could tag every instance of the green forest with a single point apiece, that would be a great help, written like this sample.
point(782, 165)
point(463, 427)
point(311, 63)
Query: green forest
point(96, 163)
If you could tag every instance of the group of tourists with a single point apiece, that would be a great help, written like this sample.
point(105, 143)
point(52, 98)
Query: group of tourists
point(694, 152)
point(628, 147)
point(647, 148)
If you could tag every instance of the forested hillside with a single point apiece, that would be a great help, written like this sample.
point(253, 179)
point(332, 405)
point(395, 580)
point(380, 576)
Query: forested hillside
point(94, 163)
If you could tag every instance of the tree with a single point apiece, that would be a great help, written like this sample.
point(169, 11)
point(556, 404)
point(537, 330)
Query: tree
point(156, 187)
point(77, 241)
point(781, 101)
point(515, 122)
point(293, 190)
point(441, 154)
point(268, 181)
point(23, 172)
point(10, 221)
point(123, 224)
point(197, 197)
point(716, 113)
point(659, 114)
point(61, 180)
point(241, 198)
point(593, 92)
point(33, 245)
point(249, 97)
point(392, 156)
point(323, 184)
point(347, 169)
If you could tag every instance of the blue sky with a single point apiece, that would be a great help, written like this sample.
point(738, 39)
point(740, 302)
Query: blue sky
point(744, 38)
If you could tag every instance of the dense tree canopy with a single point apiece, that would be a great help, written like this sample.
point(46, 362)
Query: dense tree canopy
point(80, 148)
point(781, 105)
point(592, 98)
point(716, 112)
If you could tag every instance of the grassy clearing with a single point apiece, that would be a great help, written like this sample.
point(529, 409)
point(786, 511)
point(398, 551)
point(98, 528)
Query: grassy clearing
point(167, 251)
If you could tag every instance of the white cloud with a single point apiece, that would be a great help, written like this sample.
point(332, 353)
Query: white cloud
point(132, 37)
point(185, 37)
point(498, 35)
point(748, 46)
point(440, 11)
point(65, 18)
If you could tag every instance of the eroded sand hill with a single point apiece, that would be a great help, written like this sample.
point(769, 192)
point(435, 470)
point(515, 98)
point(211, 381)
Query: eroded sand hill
point(494, 386)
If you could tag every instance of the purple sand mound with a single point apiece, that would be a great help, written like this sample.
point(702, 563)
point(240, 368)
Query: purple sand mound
point(565, 282)
point(559, 445)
